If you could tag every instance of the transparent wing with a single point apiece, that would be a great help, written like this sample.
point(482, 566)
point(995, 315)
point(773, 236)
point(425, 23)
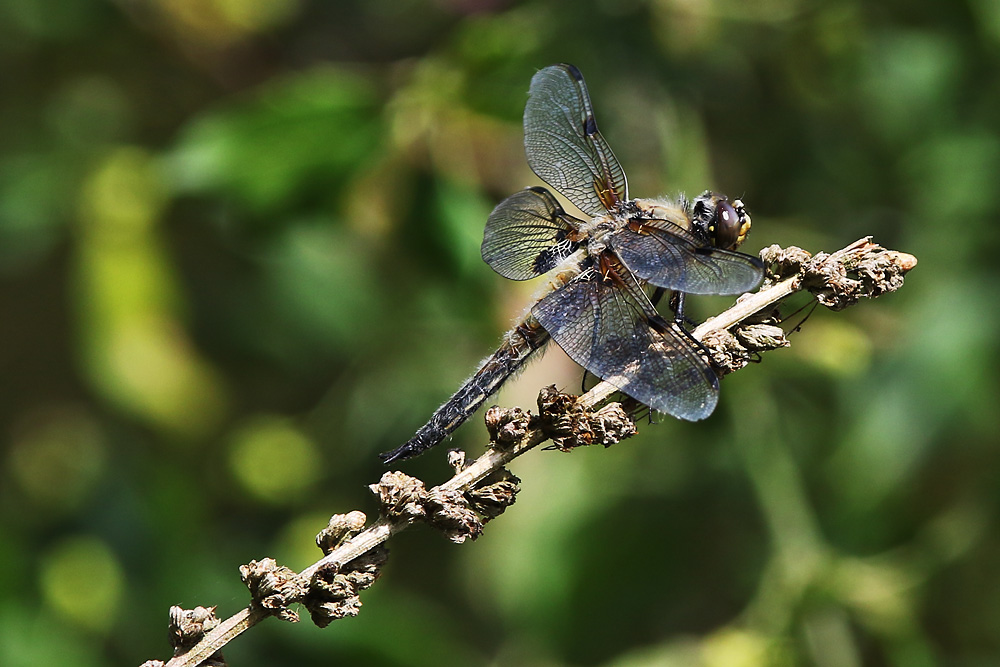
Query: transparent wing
point(526, 235)
point(563, 145)
point(604, 329)
point(668, 256)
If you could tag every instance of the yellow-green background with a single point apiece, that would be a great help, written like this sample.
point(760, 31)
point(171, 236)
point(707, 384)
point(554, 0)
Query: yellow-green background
point(239, 256)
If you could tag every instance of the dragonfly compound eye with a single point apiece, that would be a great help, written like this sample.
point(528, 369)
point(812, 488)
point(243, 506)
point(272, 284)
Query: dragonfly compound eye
point(731, 224)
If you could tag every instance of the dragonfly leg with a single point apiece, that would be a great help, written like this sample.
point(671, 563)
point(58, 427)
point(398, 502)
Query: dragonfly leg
point(677, 305)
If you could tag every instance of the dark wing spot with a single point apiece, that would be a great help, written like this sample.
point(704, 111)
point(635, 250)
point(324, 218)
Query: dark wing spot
point(589, 126)
point(545, 262)
point(574, 72)
point(549, 258)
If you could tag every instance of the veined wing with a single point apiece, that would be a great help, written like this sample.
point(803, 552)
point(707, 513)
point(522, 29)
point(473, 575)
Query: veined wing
point(605, 329)
point(526, 235)
point(563, 145)
point(671, 257)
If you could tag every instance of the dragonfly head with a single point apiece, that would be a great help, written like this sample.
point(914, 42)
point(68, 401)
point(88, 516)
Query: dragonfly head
point(725, 223)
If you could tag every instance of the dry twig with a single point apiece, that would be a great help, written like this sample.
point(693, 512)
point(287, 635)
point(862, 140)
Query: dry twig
point(480, 491)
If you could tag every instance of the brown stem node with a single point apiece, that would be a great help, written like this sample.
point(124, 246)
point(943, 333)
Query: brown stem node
point(273, 587)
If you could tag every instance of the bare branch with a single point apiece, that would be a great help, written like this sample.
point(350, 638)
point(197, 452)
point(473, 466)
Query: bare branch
point(480, 491)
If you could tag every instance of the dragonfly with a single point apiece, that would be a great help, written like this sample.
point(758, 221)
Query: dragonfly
point(606, 269)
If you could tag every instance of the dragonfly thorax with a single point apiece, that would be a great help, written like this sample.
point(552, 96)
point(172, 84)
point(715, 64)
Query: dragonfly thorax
point(674, 211)
point(598, 230)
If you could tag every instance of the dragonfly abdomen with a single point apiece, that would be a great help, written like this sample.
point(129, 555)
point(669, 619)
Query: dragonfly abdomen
point(519, 343)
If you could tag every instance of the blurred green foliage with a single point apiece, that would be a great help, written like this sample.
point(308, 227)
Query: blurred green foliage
point(239, 257)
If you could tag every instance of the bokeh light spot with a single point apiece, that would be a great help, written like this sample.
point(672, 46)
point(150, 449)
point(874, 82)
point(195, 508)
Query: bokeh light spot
point(82, 580)
point(273, 460)
point(836, 346)
point(135, 347)
point(57, 455)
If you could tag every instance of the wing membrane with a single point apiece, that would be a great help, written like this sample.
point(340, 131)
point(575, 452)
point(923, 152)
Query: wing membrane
point(563, 145)
point(605, 330)
point(668, 256)
point(526, 235)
